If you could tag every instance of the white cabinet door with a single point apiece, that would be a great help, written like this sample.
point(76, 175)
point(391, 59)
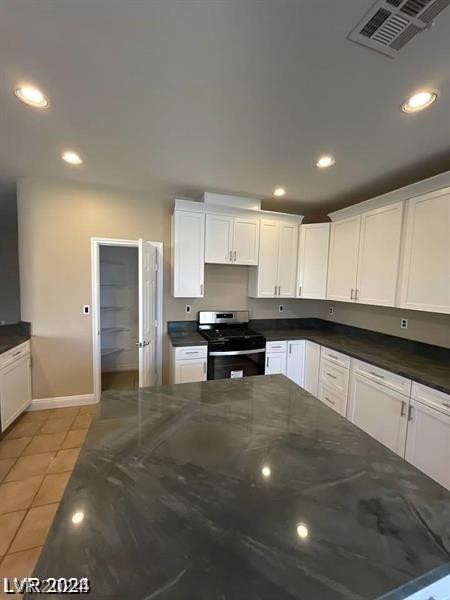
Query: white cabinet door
point(311, 369)
point(313, 260)
point(425, 276)
point(15, 390)
point(332, 398)
point(268, 259)
point(379, 411)
point(287, 260)
point(188, 247)
point(379, 255)
point(188, 371)
point(428, 442)
point(219, 239)
point(245, 241)
point(276, 363)
point(295, 361)
point(343, 259)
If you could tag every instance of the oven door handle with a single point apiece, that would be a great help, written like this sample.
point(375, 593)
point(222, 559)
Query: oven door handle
point(237, 352)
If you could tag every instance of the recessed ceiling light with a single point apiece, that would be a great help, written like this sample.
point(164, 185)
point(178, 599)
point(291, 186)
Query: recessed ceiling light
point(31, 96)
point(419, 101)
point(72, 158)
point(266, 471)
point(325, 161)
point(302, 531)
point(279, 191)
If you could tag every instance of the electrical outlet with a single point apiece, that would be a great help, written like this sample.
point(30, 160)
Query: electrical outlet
point(404, 323)
point(188, 308)
point(280, 308)
point(331, 310)
point(86, 309)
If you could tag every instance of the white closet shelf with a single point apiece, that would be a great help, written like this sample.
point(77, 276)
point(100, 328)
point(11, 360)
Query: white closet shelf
point(106, 351)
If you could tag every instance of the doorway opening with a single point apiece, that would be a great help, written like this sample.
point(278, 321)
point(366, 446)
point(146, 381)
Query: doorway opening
point(119, 318)
point(126, 314)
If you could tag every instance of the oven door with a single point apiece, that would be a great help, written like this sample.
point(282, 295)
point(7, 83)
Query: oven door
point(236, 363)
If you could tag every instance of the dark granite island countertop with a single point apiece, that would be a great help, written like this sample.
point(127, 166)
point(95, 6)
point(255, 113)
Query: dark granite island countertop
point(248, 488)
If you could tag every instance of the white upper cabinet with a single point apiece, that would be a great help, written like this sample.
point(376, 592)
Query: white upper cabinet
point(343, 259)
point(219, 239)
point(188, 254)
point(313, 260)
point(276, 273)
point(245, 240)
point(231, 240)
point(378, 257)
point(425, 274)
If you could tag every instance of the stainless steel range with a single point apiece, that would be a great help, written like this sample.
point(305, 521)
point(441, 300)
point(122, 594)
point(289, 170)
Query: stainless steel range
point(234, 350)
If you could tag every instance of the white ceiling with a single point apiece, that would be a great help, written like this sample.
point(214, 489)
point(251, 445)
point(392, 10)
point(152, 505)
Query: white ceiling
point(225, 95)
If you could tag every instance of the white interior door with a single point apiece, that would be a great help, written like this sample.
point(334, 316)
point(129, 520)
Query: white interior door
point(147, 313)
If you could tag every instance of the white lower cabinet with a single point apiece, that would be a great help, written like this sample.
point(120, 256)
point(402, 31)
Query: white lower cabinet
point(295, 361)
point(379, 411)
point(188, 364)
point(335, 400)
point(428, 442)
point(311, 369)
point(15, 383)
point(276, 358)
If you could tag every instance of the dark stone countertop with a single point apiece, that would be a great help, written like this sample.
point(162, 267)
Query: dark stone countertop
point(13, 335)
point(175, 504)
point(187, 338)
point(388, 352)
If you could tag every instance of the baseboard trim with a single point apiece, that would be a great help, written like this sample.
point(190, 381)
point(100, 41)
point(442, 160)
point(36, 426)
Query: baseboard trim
point(61, 402)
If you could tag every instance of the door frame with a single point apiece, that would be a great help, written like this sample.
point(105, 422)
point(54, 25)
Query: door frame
point(95, 285)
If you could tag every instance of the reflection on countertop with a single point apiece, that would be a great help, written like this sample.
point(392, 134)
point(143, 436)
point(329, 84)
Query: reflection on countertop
point(246, 488)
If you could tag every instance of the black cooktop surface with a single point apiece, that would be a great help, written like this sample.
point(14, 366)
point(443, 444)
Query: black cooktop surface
point(228, 333)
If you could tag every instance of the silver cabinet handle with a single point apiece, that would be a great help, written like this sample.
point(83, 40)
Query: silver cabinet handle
point(351, 294)
point(279, 289)
point(330, 401)
point(410, 412)
point(231, 255)
point(356, 293)
point(333, 356)
point(330, 375)
point(201, 289)
point(376, 375)
point(299, 290)
point(204, 367)
point(237, 352)
point(191, 352)
point(290, 348)
point(267, 362)
point(235, 256)
point(275, 291)
point(17, 353)
point(402, 411)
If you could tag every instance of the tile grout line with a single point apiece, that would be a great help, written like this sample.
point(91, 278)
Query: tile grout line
point(27, 510)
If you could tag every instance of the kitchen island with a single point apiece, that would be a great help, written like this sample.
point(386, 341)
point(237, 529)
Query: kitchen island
point(247, 488)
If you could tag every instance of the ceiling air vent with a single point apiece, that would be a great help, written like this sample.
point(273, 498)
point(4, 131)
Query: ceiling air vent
point(390, 24)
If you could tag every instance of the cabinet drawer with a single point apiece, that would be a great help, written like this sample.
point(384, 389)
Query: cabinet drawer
point(273, 347)
point(187, 352)
point(334, 376)
point(431, 397)
point(336, 357)
point(332, 398)
point(391, 380)
point(14, 354)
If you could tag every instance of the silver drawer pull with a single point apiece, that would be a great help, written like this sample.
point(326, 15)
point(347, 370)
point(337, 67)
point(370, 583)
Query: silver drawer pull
point(17, 353)
point(192, 352)
point(330, 401)
point(410, 412)
point(402, 411)
point(333, 356)
point(376, 375)
point(330, 375)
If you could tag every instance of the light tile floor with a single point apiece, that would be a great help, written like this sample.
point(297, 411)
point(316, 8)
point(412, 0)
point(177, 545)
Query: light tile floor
point(37, 456)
